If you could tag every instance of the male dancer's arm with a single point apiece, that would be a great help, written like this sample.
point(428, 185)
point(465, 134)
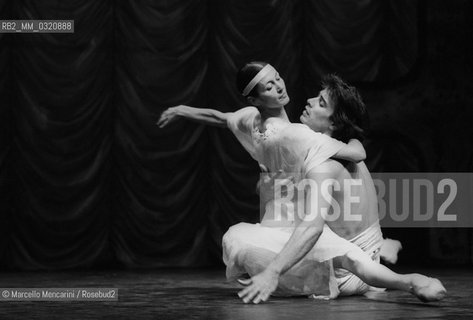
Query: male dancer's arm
point(300, 243)
point(353, 151)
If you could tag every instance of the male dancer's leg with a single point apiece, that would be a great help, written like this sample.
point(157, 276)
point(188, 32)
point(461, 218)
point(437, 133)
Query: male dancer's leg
point(377, 275)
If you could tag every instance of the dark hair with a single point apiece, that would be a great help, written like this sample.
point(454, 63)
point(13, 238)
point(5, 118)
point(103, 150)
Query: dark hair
point(246, 74)
point(350, 116)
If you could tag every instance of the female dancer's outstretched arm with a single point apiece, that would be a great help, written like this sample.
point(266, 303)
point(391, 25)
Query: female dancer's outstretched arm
point(352, 151)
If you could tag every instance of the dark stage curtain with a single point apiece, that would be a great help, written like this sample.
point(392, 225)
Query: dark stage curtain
point(61, 137)
point(87, 177)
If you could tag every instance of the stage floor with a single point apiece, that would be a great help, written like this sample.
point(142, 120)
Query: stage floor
point(204, 294)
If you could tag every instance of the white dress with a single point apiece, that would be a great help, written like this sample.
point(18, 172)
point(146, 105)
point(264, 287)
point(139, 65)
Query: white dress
point(248, 248)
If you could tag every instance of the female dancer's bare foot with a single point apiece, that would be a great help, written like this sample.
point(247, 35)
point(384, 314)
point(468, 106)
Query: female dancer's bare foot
point(389, 250)
point(427, 289)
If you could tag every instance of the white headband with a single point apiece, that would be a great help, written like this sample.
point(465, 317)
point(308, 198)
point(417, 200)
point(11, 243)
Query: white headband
point(260, 75)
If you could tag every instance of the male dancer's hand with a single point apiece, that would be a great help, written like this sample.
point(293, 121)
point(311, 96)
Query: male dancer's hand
point(259, 287)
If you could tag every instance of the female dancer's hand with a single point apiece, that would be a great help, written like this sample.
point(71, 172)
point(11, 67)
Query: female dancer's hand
point(389, 250)
point(169, 115)
point(268, 180)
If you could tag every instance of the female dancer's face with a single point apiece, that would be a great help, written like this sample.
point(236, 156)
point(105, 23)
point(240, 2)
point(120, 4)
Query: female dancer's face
point(271, 92)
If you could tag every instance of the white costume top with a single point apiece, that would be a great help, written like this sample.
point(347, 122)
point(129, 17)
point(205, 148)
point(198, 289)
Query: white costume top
point(284, 145)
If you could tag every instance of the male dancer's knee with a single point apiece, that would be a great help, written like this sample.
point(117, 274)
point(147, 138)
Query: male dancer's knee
point(355, 261)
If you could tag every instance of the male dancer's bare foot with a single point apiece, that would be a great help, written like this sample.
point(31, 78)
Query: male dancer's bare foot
point(427, 289)
point(389, 250)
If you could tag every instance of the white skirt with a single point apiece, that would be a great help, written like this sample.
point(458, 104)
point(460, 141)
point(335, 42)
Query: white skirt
point(249, 248)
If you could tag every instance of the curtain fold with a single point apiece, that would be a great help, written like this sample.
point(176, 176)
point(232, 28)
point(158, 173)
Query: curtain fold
point(363, 41)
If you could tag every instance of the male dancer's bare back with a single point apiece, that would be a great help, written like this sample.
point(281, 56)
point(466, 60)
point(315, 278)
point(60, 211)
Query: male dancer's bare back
point(356, 188)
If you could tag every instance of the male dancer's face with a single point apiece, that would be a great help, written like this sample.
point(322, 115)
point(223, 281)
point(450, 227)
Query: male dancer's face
point(317, 113)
